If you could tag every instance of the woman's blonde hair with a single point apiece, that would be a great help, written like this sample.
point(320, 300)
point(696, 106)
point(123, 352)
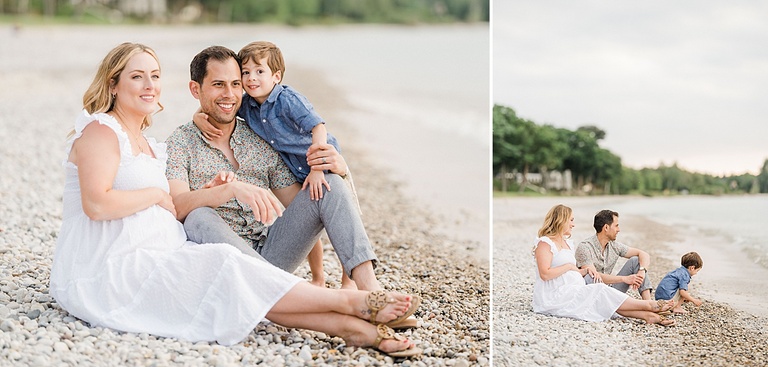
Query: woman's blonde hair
point(98, 97)
point(557, 218)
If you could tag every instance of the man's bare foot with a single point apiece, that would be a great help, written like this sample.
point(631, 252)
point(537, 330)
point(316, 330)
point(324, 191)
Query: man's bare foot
point(679, 310)
point(386, 305)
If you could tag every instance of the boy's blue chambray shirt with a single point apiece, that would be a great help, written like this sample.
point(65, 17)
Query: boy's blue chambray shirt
point(285, 120)
point(674, 280)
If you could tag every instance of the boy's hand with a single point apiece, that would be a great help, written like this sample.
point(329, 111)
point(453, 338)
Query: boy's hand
point(315, 180)
point(201, 121)
point(696, 302)
point(220, 179)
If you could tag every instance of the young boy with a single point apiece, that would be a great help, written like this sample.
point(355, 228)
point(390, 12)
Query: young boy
point(287, 121)
point(674, 285)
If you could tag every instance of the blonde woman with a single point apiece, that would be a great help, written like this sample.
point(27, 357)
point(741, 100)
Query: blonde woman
point(559, 289)
point(122, 260)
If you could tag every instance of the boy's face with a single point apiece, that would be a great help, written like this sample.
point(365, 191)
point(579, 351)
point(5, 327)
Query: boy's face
point(258, 79)
point(693, 271)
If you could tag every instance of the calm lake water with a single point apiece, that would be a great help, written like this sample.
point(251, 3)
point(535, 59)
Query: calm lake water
point(742, 221)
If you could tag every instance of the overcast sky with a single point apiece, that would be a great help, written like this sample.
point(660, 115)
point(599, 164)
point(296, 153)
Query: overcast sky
point(681, 81)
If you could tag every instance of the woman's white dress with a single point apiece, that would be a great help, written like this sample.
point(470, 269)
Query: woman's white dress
point(140, 274)
point(568, 295)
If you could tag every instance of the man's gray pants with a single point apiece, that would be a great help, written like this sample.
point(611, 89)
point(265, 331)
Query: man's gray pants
point(632, 266)
point(291, 237)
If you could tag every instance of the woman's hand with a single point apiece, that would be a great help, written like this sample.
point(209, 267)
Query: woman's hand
point(166, 202)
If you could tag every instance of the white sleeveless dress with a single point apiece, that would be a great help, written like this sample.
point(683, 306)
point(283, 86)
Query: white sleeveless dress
point(568, 295)
point(140, 274)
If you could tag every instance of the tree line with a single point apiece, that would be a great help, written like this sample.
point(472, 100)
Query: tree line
point(247, 11)
point(521, 147)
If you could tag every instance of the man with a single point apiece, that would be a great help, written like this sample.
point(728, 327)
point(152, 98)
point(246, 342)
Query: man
point(600, 252)
point(216, 208)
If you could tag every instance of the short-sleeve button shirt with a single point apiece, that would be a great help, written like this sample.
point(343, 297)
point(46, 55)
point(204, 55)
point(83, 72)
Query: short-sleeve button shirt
point(672, 282)
point(590, 252)
point(193, 160)
point(285, 120)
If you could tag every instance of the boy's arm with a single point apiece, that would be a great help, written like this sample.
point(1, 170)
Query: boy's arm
point(684, 294)
point(319, 134)
point(200, 120)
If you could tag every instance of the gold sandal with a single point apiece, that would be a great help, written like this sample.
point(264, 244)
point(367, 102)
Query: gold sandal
point(377, 300)
point(385, 333)
point(662, 303)
point(663, 318)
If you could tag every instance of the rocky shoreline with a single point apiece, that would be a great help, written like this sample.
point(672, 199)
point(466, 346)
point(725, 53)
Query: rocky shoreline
point(38, 103)
point(711, 335)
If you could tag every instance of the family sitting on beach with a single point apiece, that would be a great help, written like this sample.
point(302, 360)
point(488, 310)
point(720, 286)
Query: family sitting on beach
point(123, 259)
point(578, 283)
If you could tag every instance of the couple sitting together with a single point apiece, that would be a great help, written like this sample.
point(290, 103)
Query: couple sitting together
point(577, 283)
point(123, 259)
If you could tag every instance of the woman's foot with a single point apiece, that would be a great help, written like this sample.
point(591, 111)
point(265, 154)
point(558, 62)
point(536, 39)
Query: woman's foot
point(381, 307)
point(663, 320)
point(662, 306)
point(392, 344)
point(679, 310)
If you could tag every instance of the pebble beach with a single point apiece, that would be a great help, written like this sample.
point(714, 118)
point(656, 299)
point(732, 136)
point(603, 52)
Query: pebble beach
point(714, 334)
point(45, 71)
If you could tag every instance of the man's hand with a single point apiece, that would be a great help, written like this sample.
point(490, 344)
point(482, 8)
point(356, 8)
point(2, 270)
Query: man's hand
point(266, 208)
point(220, 179)
point(634, 280)
point(592, 271)
point(316, 180)
point(324, 157)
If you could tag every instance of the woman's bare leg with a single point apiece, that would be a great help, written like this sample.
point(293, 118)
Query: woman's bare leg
point(632, 304)
point(354, 331)
point(305, 298)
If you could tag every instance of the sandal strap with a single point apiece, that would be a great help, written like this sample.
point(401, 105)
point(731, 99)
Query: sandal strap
point(376, 300)
point(384, 332)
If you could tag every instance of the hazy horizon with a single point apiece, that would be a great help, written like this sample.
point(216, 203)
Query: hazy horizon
point(670, 83)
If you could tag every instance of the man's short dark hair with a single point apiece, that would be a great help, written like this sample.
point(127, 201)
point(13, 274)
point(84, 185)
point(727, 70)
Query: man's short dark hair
point(604, 217)
point(199, 66)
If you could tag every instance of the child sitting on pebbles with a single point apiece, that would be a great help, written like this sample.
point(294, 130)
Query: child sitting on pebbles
point(674, 285)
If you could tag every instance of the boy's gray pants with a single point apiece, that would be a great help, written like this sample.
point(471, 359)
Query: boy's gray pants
point(291, 237)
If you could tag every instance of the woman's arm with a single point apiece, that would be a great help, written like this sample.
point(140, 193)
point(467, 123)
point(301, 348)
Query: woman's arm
point(97, 156)
point(543, 256)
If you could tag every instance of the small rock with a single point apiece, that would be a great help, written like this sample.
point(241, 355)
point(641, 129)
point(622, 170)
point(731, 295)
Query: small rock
point(305, 353)
point(7, 326)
